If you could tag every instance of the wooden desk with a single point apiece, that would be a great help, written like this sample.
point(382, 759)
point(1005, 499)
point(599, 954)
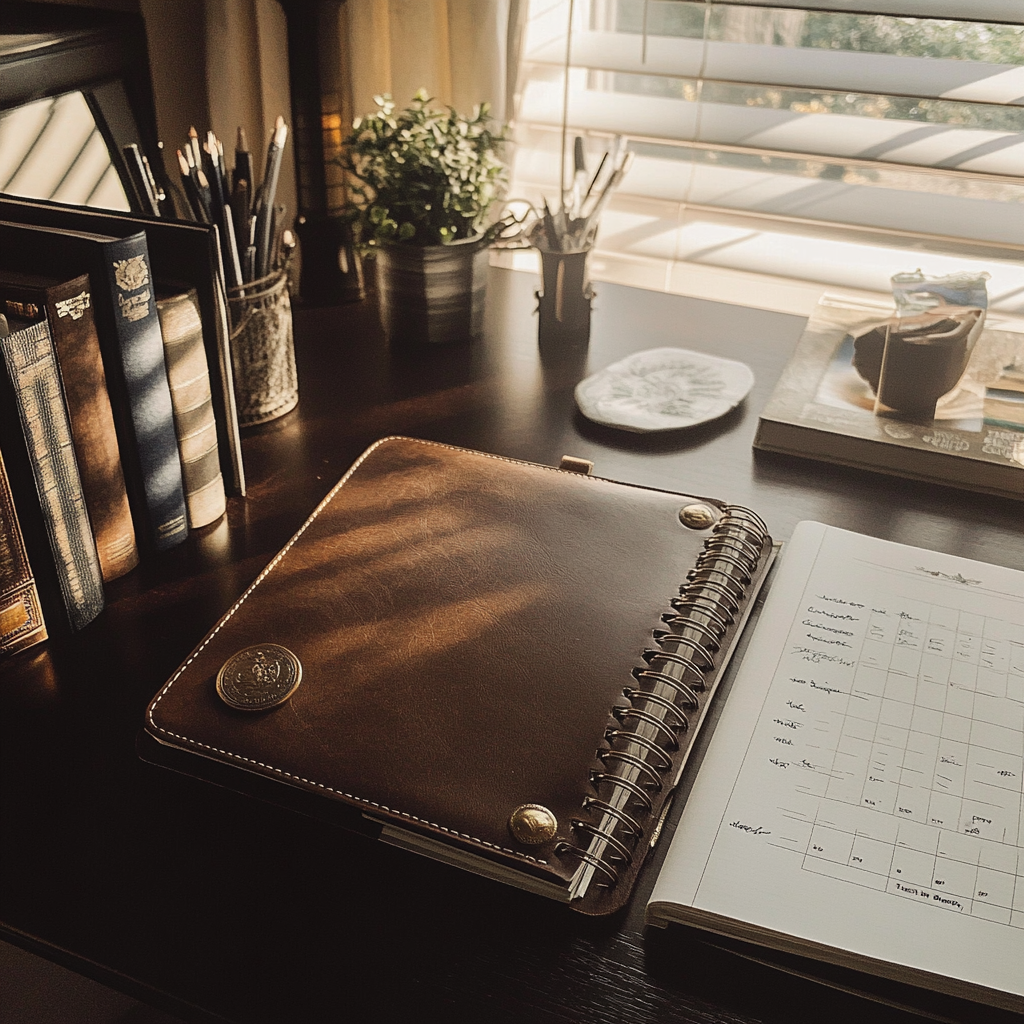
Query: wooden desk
point(216, 906)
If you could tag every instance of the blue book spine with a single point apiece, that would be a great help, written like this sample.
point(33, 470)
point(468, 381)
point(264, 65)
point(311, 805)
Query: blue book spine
point(156, 485)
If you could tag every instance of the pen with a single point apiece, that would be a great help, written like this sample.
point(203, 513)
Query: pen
point(139, 179)
point(233, 267)
point(158, 192)
point(204, 195)
point(191, 187)
point(193, 145)
point(243, 162)
point(268, 190)
point(240, 212)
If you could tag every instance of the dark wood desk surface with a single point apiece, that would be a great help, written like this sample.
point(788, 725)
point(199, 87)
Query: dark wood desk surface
point(217, 906)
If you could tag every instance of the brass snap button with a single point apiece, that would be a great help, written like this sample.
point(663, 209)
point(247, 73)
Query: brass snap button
point(697, 517)
point(532, 824)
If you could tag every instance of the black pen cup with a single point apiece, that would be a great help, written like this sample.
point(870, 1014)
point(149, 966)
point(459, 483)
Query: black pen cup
point(263, 349)
point(565, 299)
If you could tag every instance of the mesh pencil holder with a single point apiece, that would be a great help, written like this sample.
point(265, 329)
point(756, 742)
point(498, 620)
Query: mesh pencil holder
point(262, 349)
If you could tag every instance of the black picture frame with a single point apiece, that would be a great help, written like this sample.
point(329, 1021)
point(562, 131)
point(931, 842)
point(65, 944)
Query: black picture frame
point(102, 54)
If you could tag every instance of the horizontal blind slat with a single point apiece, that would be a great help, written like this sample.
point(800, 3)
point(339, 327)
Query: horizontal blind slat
point(1007, 11)
point(784, 131)
point(789, 67)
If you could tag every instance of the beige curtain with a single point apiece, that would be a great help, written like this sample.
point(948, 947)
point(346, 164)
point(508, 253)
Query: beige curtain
point(455, 49)
point(224, 63)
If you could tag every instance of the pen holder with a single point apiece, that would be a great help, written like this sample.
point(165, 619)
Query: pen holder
point(564, 301)
point(262, 349)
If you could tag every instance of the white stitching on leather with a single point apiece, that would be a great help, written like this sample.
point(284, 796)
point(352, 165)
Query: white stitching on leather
point(234, 608)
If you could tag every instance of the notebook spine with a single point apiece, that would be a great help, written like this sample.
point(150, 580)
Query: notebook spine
point(646, 742)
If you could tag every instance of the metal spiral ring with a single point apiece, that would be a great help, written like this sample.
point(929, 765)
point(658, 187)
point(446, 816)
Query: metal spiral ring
point(655, 698)
point(620, 848)
point(679, 603)
point(629, 823)
point(740, 512)
point(705, 573)
point(589, 858)
point(729, 559)
point(738, 544)
point(596, 778)
point(611, 735)
point(706, 607)
point(725, 597)
point(665, 637)
point(658, 723)
point(634, 762)
point(650, 656)
point(684, 691)
point(741, 530)
point(682, 622)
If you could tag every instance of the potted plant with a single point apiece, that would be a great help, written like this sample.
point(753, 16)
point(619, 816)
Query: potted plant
point(425, 182)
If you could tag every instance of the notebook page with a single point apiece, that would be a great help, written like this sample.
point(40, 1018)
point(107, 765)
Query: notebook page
point(863, 789)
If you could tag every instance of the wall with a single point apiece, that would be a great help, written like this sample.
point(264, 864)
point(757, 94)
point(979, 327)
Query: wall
point(216, 64)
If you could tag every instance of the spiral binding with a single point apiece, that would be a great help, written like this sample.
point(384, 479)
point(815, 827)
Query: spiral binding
point(639, 753)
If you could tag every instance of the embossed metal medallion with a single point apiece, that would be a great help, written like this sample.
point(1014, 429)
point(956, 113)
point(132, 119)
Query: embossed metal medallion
point(697, 517)
point(532, 824)
point(259, 677)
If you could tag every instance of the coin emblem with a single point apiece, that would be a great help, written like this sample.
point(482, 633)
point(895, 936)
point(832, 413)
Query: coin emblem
point(532, 824)
point(259, 677)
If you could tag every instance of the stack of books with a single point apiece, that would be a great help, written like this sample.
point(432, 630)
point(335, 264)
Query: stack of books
point(119, 429)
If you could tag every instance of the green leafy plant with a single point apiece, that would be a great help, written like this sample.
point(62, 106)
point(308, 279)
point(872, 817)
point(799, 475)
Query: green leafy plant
point(423, 175)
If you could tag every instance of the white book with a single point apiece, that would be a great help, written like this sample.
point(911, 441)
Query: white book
point(861, 800)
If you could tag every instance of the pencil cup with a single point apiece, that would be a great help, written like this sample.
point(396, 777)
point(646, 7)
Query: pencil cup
point(564, 301)
point(262, 349)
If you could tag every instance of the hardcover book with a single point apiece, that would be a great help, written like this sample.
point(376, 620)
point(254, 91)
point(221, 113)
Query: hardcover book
point(823, 408)
point(133, 358)
point(21, 616)
point(548, 642)
point(44, 478)
point(180, 251)
point(67, 307)
point(189, 379)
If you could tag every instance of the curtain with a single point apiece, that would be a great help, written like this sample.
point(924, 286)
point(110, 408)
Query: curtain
point(220, 65)
point(455, 49)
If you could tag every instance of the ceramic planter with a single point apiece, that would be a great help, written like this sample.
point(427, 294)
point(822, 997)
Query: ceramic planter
point(432, 293)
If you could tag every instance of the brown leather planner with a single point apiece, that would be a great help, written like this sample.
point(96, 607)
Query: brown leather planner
point(498, 664)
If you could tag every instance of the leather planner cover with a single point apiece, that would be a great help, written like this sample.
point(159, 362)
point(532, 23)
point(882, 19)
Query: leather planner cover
point(498, 664)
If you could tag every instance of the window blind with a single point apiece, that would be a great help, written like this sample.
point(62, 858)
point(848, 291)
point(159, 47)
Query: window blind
point(893, 119)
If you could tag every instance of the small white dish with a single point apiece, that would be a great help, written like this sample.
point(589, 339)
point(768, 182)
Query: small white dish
point(664, 389)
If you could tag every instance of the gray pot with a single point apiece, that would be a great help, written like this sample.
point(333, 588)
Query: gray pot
point(432, 293)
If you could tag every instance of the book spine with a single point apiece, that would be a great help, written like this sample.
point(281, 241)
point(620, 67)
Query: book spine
point(189, 377)
point(21, 617)
point(31, 368)
point(647, 742)
point(146, 416)
point(69, 311)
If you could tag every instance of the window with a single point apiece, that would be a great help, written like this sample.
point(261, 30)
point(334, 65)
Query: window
point(833, 145)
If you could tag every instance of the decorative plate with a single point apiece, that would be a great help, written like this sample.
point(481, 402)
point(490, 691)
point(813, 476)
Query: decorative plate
point(664, 389)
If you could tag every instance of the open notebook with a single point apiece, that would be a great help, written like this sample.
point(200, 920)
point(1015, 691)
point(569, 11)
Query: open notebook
point(861, 799)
